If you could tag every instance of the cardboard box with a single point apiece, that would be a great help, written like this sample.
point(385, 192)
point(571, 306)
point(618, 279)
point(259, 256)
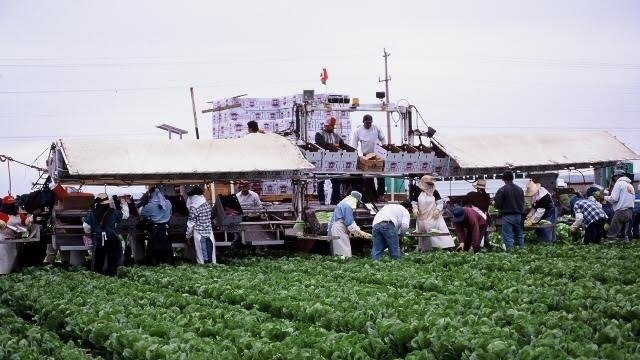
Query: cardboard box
point(285, 187)
point(313, 153)
point(348, 159)
point(392, 156)
point(370, 162)
point(440, 165)
point(270, 187)
point(410, 158)
point(331, 158)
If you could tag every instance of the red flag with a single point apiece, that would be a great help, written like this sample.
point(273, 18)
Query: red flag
point(324, 76)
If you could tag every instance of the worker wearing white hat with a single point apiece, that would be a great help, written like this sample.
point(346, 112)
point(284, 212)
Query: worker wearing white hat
point(343, 223)
point(622, 198)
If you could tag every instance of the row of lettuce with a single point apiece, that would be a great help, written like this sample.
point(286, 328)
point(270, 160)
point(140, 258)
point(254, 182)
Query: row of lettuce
point(20, 339)
point(542, 302)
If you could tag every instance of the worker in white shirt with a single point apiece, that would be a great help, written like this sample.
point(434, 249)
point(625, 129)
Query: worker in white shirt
point(248, 198)
point(388, 224)
point(368, 135)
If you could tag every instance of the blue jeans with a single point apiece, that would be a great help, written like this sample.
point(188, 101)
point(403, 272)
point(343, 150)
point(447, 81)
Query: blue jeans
point(512, 230)
point(385, 236)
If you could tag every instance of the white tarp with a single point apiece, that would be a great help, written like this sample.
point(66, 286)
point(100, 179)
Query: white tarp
point(536, 150)
point(180, 159)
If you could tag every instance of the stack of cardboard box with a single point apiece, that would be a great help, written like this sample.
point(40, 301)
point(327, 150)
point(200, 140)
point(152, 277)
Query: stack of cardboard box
point(229, 120)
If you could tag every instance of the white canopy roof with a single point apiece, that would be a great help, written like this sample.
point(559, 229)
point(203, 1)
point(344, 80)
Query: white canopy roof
point(532, 152)
point(144, 161)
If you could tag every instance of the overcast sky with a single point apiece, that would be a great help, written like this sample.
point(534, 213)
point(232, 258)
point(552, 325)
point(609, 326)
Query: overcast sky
point(119, 68)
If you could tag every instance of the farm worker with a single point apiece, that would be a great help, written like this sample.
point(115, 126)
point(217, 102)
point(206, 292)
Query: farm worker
point(470, 228)
point(388, 224)
point(480, 198)
point(157, 209)
point(509, 199)
point(252, 127)
point(199, 226)
point(542, 208)
point(591, 215)
point(368, 135)
point(100, 223)
point(248, 198)
point(428, 213)
point(622, 198)
point(323, 138)
point(342, 223)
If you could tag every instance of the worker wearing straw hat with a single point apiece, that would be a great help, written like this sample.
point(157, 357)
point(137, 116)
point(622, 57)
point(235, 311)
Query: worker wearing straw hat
point(542, 208)
point(480, 198)
point(429, 217)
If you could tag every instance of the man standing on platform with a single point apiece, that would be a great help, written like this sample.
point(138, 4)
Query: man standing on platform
point(322, 138)
point(368, 135)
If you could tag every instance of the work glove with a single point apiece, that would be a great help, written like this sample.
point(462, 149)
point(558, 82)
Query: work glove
point(353, 228)
point(362, 234)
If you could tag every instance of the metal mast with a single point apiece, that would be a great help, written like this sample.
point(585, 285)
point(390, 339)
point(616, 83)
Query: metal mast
point(386, 80)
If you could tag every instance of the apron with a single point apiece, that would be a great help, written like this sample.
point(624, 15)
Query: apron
point(341, 246)
point(426, 222)
point(205, 248)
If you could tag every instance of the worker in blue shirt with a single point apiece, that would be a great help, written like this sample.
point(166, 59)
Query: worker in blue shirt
point(343, 223)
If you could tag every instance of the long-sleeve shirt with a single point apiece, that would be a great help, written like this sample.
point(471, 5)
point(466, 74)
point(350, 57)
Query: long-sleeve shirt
point(158, 209)
point(587, 211)
point(251, 200)
point(367, 138)
point(510, 199)
point(622, 195)
point(323, 137)
point(468, 230)
point(199, 216)
point(95, 225)
point(343, 212)
point(481, 200)
point(395, 213)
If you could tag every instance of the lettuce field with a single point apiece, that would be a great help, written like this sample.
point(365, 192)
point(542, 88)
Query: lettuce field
point(541, 302)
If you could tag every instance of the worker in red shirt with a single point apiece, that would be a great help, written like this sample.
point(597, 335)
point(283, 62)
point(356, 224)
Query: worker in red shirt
point(470, 228)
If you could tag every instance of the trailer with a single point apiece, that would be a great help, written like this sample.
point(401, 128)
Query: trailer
point(174, 162)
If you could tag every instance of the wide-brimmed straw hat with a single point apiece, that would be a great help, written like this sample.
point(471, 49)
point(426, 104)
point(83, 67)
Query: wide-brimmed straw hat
point(532, 188)
point(102, 199)
point(425, 181)
point(480, 184)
